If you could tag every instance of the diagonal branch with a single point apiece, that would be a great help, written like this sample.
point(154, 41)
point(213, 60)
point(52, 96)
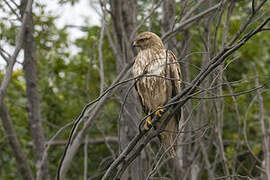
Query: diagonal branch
point(20, 157)
point(170, 34)
point(93, 107)
point(18, 47)
point(183, 97)
point(21, 161)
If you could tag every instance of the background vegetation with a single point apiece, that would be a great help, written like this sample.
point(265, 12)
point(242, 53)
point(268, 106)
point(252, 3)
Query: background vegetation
point(228, 129)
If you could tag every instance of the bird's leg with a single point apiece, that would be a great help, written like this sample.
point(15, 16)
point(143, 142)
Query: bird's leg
point(147, 122)
point(159, 111)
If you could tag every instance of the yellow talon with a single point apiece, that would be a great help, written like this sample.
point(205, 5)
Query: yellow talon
point(148, 122)
point(159, 112)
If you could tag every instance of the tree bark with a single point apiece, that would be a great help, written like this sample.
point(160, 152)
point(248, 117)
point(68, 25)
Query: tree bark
point(21, 160)
point(124, 13)
point(33, 97)
point(265, 136)
point(168, 20)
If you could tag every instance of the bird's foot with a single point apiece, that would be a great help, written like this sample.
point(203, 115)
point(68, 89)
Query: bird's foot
point(159, 112)
point(147, 123)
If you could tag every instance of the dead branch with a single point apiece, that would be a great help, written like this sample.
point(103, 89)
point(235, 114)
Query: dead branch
point(147, 17)
point(100, 58)
point(4, 55)
point(265, 137)
point(183, 98)
point(13, 10)
point(99, 102)
point(96, 141)
point(179, 27)
point(21, 161)
point(245, 131)
point(106, 141)
point(18, 47)
point(20, 157)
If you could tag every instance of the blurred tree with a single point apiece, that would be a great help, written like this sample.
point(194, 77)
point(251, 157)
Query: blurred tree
point(226, 124)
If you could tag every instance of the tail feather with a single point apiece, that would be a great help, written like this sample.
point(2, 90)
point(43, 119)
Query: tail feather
point(169, 138)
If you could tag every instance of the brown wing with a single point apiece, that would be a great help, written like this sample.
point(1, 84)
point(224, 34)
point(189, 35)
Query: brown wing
point(151, 90)
point(145, 110)
point(138, 69)
point(175, 74)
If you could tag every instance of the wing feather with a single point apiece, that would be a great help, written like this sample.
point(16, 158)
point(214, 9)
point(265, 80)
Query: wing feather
point(145, 110)
point(175, 73)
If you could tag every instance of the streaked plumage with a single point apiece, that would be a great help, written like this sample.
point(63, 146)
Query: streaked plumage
point(154, 91)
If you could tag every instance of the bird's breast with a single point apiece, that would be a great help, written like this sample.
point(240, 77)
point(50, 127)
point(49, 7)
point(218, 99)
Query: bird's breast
point(152, 87)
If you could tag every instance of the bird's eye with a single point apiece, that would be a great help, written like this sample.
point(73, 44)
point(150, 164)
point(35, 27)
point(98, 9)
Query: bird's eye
point(142, 40)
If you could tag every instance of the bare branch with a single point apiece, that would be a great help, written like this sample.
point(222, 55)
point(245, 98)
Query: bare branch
point(13, 10)
point(245, 131)
point(244, 26)
point(215, 62)
point(265, 137)
point(18, 47)
point(179, 27)
point(106, 142)
point(3, 54)
point(85, 152)
point(51, 142)
point(21, 159)
point(232, 95)
point(84, 114)
point(88, 78)
point(95, 141)
point(100, 58)
point(147, 17)
point(188, 14)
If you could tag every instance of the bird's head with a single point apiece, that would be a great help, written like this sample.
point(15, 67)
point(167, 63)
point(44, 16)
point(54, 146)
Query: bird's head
point(147, 40)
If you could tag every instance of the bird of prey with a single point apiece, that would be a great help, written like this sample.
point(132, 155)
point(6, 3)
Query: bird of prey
point(160, 80)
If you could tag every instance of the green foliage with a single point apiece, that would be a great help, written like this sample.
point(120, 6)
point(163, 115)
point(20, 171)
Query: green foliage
point(68, 80)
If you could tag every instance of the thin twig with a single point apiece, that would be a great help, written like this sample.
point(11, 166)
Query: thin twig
point(265, 137)
point(106, 142)
point(147, 17)
point(244, 26)
point(245, 130)
point(216, 61)
point(170, 34)
point(18, 47)
point(100, 57)
point(13, 10)
point(101, 98)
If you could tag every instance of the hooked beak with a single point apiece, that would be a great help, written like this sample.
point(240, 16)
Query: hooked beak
point(134, 44)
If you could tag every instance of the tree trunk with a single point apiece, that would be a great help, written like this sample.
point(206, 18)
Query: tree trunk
point(21, 160)
point(124, 13)
point(33, 97)
point(168, 20)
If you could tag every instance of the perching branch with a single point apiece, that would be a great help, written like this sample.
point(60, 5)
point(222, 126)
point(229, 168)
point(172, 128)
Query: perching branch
point(182, 98)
